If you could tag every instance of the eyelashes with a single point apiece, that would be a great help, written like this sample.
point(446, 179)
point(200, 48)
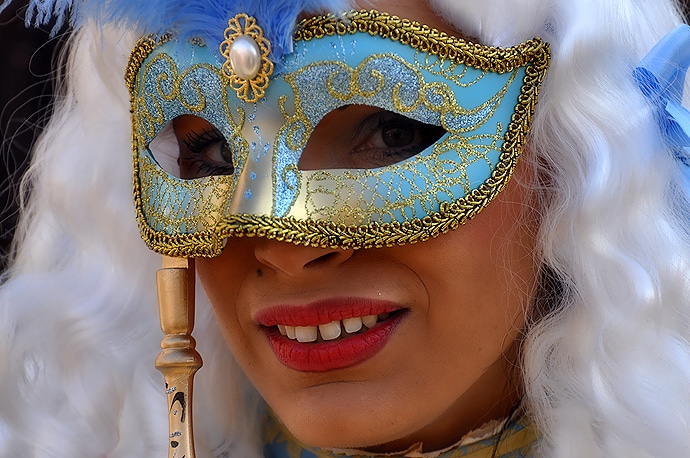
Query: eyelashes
point(190, 147)
point(203, 153)
point(366, 137)
point(197, 142)
point(350, 137)
point(385, 138)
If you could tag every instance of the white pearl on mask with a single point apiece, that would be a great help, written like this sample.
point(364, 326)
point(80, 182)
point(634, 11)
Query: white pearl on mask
point(245, 57)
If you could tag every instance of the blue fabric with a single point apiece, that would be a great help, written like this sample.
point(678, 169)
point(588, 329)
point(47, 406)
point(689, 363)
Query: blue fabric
point(206, 19)
point(661, 76)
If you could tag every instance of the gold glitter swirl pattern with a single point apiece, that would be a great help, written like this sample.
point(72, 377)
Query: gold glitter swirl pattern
point(167, 88)
point(170, 204)
point(183, 206)
point(411, 188)
point(358, 196)
point(253, 89)
point(210, 225)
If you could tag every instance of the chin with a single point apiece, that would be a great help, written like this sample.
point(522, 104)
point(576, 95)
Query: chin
point(342, 423)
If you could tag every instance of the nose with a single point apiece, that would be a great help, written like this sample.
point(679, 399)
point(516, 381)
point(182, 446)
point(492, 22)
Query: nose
point(294, 260)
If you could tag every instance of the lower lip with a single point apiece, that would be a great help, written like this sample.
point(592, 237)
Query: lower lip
point(328, 356)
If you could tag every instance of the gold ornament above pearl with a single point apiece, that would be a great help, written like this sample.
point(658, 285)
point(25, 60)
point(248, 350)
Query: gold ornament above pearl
point(246, 68)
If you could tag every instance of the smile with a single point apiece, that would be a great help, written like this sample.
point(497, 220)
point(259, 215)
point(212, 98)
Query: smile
point(329, 335)
point(332, 330)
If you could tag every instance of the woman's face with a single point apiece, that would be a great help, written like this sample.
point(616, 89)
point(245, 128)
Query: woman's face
point(440, 318)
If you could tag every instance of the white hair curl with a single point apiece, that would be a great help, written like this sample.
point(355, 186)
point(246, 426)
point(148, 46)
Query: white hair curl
point(606, 367)
point(79, 330)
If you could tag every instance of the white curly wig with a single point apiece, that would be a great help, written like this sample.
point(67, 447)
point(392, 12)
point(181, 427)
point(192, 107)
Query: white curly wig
point(606, 358)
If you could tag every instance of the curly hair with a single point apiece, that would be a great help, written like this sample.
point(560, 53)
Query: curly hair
point(606, 366)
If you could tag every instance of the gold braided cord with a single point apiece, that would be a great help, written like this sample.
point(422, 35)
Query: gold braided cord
point(533, 54)
point(424, 38)
point(143, 48)
point(141, 51)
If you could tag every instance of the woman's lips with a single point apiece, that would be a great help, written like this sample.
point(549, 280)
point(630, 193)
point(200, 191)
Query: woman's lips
point(331, 334)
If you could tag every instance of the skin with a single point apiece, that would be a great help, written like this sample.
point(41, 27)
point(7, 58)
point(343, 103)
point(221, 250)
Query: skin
point(448, 366)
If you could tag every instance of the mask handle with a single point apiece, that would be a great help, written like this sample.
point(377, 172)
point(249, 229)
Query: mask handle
point(178, 360)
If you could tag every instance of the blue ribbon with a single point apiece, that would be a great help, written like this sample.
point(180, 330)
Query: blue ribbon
point(661, 77)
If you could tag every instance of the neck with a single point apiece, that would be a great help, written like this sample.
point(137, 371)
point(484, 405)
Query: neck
point(515, 438)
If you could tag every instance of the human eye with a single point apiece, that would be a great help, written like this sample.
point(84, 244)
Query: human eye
point(365, 137)
point(204, 151)
point(190, 147)
point(385, 138)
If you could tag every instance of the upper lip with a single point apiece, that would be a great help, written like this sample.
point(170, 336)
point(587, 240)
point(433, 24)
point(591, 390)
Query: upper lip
point(323, 311)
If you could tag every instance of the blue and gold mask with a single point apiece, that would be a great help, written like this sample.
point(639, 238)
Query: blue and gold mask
point(374, 131)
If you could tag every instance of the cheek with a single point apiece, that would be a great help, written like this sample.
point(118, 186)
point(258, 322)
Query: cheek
point(221, 282)
point(481, 279)
point(476, 313)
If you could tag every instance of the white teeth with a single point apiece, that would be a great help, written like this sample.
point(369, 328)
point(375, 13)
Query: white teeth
point(370, 320)
point(306, 333)
point(352, 324)
point(330, 331)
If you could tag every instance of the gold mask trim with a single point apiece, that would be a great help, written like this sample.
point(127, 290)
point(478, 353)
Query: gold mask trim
point(534, 54)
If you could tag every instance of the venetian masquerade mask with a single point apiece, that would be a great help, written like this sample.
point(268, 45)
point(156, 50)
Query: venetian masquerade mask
point(373, 132)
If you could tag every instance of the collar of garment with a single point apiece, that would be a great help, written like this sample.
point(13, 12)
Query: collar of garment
point(497, 439)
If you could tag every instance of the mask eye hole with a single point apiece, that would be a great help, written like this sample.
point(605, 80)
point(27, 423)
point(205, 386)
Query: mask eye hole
point(366, 137)
point(190, 147)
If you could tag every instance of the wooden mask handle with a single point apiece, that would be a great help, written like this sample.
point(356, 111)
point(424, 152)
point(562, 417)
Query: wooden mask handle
point(178, 359)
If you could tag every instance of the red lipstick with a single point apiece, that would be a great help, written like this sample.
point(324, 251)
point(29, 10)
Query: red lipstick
point(322, 356)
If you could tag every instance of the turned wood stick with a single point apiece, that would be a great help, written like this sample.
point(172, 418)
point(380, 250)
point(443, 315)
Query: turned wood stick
point(178, 359)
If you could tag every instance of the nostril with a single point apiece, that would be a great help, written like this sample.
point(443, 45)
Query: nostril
point(290, 259)
point(325, 258)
